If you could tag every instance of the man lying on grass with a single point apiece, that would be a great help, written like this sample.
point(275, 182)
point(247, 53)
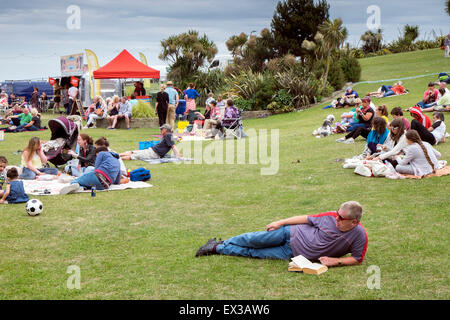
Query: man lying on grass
point(326, 237)
point(157, 151)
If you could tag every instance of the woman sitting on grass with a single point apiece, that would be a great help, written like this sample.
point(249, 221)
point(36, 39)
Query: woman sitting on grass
point(33, 161)
point(420, 158)
point(394, 144)
point(106, 173)
point(382, 112)
point(377, 136)
point(86, 157)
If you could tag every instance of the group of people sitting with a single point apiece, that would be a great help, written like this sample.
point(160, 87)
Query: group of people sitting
point(407, 146)
point(21, 118)
point(113, 109)
point(435, 99)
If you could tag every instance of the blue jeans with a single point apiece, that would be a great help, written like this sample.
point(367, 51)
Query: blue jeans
point(264, 245)
point(353, 126)
point(22, 128)
point(79, 172)
point(424, 105)
point(27, 174)
point(88, 181)
point(69, 108)
point(385, 88)
point(389, 93)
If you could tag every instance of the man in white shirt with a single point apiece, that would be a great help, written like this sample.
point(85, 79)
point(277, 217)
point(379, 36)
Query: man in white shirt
point(73, 94)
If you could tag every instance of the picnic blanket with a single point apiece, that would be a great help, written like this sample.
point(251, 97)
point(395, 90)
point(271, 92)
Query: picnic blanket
point(168, 160)
point(52, 188)
point(396, 95)
point(439, 173)
point(372, 168)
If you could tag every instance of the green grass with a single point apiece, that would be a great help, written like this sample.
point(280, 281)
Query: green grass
point(141, 244)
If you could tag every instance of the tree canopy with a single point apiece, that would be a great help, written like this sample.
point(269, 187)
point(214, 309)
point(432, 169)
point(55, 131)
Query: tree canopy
point(295, 21)
point(186, 53)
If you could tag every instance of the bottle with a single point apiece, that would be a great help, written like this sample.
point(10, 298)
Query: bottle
point(93, 192)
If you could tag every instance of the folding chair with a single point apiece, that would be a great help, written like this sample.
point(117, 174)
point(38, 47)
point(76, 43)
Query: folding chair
point(233, 126)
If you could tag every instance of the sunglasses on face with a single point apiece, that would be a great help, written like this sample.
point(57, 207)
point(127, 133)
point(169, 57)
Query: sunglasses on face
point(341, 218)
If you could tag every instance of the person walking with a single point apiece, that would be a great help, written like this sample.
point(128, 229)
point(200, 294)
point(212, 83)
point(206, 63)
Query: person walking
point(162, 103)
point(173, 103)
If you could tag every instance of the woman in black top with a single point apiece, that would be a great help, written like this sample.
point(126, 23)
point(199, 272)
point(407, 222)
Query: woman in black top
point(162, 103)
point(86, 157)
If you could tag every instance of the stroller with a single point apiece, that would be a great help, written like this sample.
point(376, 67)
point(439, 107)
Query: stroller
point(64, 137)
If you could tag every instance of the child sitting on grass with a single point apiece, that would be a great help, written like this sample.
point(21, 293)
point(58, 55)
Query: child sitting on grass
point(3, 164)
point(14, 193)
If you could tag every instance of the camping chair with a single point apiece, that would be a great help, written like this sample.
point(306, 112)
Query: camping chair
point(192, 116)
point(44, 105)
point(233, 126)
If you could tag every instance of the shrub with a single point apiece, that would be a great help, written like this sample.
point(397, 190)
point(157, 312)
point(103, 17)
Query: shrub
point(243, 104)
point(427, 44)
point(283, 97)
point(351, 68)
point(301, 85)
point(276, 107)
point(143, 110)
point(336, 76)
point(264, 93)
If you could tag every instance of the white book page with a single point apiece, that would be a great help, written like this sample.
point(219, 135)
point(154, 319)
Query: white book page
point(315, 266)
point(301, 261)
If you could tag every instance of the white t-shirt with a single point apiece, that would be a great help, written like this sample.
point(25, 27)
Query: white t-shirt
point(439, 132)
point(73, 92)
point(446, 92)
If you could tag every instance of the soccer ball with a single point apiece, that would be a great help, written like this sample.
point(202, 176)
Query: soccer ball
point(34, 207)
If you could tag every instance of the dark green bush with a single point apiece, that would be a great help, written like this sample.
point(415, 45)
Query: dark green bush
point(243, 104)
point(351, 68)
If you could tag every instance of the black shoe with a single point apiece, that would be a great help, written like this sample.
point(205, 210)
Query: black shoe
point(208, 249)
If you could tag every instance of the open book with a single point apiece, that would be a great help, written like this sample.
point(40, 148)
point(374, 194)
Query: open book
point(301, 264)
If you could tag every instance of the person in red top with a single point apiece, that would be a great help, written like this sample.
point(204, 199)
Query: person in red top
point(326, 237)
point(421, 123)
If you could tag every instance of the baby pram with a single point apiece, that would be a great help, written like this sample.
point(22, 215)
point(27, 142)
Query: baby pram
point(64, 137)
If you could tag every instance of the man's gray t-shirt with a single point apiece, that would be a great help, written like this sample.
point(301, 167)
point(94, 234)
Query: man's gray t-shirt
point(162, 148)
point(321, 238)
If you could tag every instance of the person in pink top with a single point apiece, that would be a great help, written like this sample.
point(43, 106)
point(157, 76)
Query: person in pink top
point(430, 97)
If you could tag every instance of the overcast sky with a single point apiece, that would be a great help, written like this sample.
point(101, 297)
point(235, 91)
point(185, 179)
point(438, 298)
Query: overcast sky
point(35, 34)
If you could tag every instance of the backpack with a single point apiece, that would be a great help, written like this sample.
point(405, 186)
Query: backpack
point(140, 174)
point(444, 77)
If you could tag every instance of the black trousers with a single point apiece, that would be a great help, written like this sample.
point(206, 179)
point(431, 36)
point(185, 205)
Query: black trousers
point(162, 114)
point(423, 132)
point(360, 131)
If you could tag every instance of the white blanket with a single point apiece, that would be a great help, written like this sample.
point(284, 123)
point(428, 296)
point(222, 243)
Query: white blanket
point(38, 188)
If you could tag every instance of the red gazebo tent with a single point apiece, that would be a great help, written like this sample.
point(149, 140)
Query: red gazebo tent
point(125, 66)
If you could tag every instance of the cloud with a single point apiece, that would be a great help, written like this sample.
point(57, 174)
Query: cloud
point(33, 29)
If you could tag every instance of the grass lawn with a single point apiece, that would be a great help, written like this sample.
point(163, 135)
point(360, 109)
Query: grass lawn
point(141, 244)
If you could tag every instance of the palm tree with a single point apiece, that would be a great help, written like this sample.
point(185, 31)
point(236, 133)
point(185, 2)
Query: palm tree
point(448, 7)
point(334, 35)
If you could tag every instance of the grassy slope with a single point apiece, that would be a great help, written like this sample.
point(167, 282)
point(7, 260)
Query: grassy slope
point(141, 244)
